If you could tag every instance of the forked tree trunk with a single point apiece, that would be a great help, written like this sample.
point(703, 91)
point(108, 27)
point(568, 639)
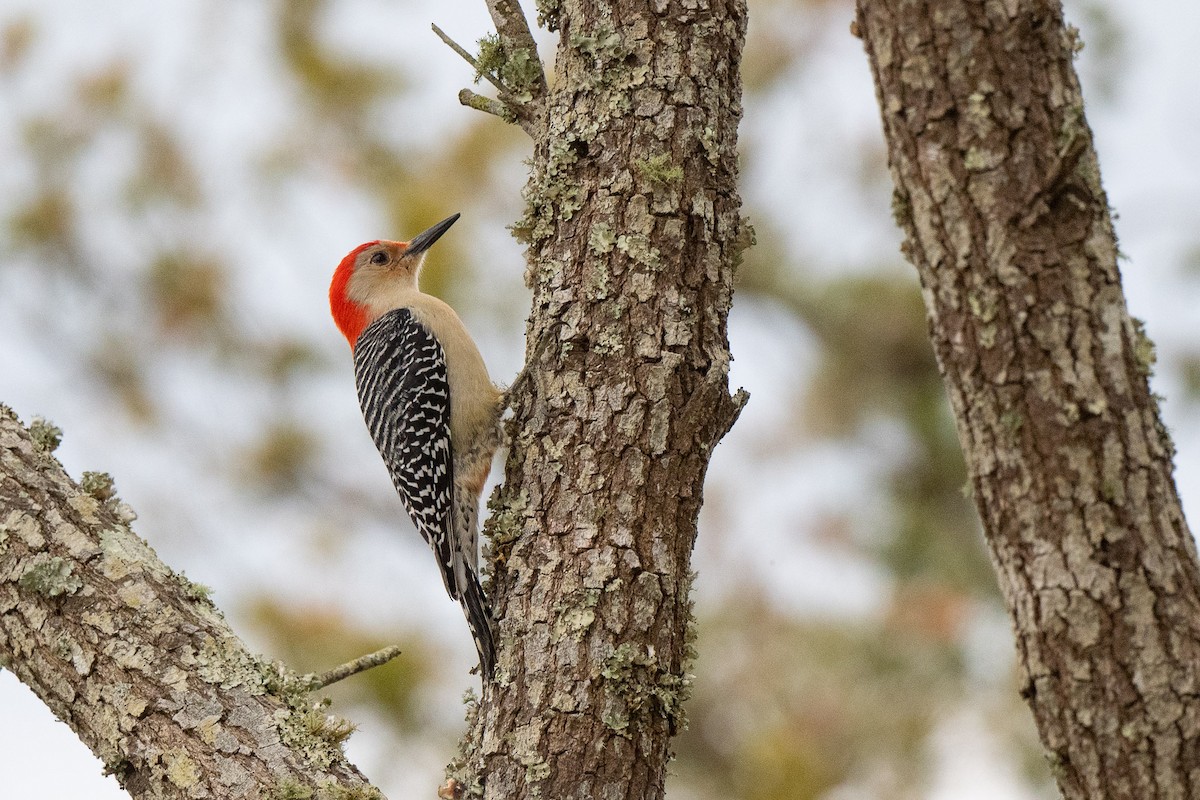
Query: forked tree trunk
point(998, 193)
point(634, 231)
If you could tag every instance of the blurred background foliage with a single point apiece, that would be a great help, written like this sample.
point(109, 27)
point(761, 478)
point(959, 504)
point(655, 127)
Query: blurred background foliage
point(172, 212)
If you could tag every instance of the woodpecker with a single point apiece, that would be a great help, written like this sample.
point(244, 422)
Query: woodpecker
point(429, 404)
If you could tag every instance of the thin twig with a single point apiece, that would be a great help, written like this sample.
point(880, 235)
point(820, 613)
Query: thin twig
point(354, 667)
point(486, 104)
point(466, 56)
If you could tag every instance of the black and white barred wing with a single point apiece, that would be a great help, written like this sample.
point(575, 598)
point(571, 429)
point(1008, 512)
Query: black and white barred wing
point(400, 371)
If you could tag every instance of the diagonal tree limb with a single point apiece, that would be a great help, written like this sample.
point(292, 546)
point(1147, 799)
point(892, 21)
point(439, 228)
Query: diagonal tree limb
point(136, 659)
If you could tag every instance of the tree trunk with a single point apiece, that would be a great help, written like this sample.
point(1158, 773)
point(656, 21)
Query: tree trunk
point(998, 193)
point(634, 232)
point(135, 659)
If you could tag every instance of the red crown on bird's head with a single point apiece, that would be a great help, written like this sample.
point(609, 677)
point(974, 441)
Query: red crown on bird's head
point(350, 316)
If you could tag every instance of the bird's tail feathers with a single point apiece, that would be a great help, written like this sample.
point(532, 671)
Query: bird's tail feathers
point(475, 604)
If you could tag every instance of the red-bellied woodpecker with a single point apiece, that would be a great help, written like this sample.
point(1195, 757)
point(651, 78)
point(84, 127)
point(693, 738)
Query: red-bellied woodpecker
point(429, 405)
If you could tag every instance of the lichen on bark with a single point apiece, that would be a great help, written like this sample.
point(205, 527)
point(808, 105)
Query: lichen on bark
point(135, 658)
point(634, 231)
point(998, 193)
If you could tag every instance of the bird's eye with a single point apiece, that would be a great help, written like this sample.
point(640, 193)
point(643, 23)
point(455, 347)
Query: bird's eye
point(379, 258)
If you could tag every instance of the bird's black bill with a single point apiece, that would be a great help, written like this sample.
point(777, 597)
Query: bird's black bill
point(425, 239)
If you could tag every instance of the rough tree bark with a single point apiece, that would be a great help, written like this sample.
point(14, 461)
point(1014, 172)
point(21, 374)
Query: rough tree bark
point(634, 230)
point(998, 193)
point(134, 657)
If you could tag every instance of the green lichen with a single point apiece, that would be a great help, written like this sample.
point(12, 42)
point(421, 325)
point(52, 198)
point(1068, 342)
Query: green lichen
point(548, 13)
point(125, 554)
point(613, 64)
point(289, 789)
point(597, 283)
point(901, 208)
point(984, 303)
point(521, 73)
point(691, 632)
point(524, 748)
point(491, 57)
point(50, 576)
point(979, 159)
point(604, 44)
point(487, 105)
point(327, 727)
point(1072, 40)
point(181, 769)
point(22, 525)
point(1144, 352)
point(1164, 433)
point(225, 663)
point(659, 170)
point(306, 726)
point(462, 769)
point(296, 731)
point(745, 238)
point(360, 792)
point(574, 616)
point(638, 247)
point(99, 485)
point(1073, 131)
point(601, 239)
point(45, 434)
point(195, 591)
point(1012, 421)
point(537, 771)
point(504, 524)
point(518, 71)
point(979, 111)
point(64, 647)
point(551, 193)
point(1057, 762)
point(641, 686)
point(711, 144)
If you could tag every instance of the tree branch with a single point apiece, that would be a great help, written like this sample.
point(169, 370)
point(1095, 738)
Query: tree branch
point(136, 659)
point(514, 30)
point(510, 62)
point(515, 36)
point(486, 104)
point(370, 661)
point(466, 56)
